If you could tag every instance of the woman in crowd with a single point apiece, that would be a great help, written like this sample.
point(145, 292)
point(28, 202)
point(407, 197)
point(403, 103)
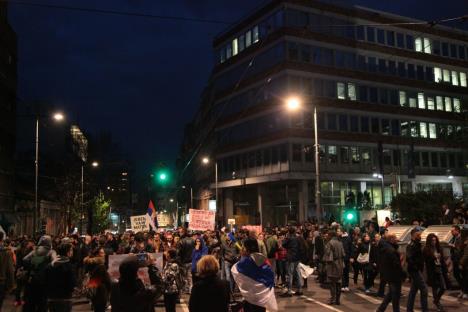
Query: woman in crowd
point(436, 269)
point(97, 257)
point(210, 293)
point(281, 261)
point(172, 281)
point(199, 251)
point(100, 286)
point(366, 258)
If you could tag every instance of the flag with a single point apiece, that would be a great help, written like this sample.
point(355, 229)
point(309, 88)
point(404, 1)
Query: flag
point(152, 215)
point(256, 281)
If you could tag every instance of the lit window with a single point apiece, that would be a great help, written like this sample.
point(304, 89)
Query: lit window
point(446, 73)
point(432, 131)
point(463, 79)
point(402, 98)
point(418, 42)
point(248, 38)
point(255, 34)
point(427, 45)
point(412, 102)
point(222, 55)
point(340, 90)
point(448, 104)
point(228, 51)
point(423, 130)
point(355, 155)
point(421, 103)
point(332, 157)
point(241, 43)
point(414, 129)
point(352, 91)
point(456, 105)
point(454, 78)
point(437, 74)
point(430, 103)
point(235, 47)
point(439, 103)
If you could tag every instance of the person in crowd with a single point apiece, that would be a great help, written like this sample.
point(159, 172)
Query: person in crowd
point(100, 284)
point(415, 268)
point(319, 246)
point(230, 257)
point(271, 243)
point(334, 261)
point(261, 245)
point(209, 293)
point(456, 251)
point(255, 279)
point(97, 257)
point(185, 250)
point(36, 263)
point(292, 245)
point(7, 271)
point(365, 256)
point(130, 294)
point(387, 222)
point(199, 251)
point(356, 242)
point(436, 269)
point(382, 242)
point(346, 241)
point(172, 280)
point(464, 269)
point(392, 272)
point(281, 262)
point(60, 280)
point(26, 246)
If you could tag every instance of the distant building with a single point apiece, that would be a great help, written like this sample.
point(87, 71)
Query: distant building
point(390, 101)
point(8, 81)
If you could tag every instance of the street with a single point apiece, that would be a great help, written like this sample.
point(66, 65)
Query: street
point(314, 299)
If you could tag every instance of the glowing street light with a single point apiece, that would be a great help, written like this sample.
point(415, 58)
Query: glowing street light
point(205, 160)
point(293, 103)
point(171, 200)
point(59, 116)
point(95, 164)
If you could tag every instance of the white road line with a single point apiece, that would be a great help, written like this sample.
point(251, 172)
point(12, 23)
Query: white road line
point(327, 306)
point(183, 305)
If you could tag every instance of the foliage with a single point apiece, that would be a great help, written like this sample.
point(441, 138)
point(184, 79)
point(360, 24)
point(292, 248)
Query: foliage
point(425, 206)
point(101, 211)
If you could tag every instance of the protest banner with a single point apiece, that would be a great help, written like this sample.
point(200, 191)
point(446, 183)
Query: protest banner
point(201, 220)
point(253, 228)
point(140, 223)
point(164, 220)
point(116, 260)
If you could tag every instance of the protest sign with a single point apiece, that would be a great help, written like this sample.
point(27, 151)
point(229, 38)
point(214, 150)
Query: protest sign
point(253, 228)
point(140, 223)
point(164, 220)
point(201, 220)
point(116, 260)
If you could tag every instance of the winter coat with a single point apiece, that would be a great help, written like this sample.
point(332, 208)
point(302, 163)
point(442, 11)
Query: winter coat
point(60, 279)
point(464, 258)
point(346, 240)
point(90, 263)
point(185, 249)
point(334, 258)
point(7, 270)
point(271, 246)
point(414, 257)
point(210, 294)
point(229, 252)
point(292, 245)
point(436, 270)
point(198, 254)
point(390, 265)
point(171, 275)
point(363, 248)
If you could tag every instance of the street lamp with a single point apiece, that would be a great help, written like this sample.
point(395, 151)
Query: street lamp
point(293, 104)
point(380, 176)
point(37, 210)
point(95, 164)
point(206, 161)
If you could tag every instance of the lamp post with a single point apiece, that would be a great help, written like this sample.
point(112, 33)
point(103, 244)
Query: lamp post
point(37, 210)
point(294, 104)
point(205, 162)
point(382, 186)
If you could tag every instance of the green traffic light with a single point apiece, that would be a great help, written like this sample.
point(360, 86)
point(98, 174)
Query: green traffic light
point(162, 176)
point(350, 216)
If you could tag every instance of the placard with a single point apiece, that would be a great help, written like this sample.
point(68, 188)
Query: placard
point(201, 220)
point(140, 223)
point(253, 228)
point(116, 260)
point(231, 221)
point(164, 220)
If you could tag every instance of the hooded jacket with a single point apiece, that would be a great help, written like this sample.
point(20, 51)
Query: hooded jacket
point(60, 279)
point(198, 254)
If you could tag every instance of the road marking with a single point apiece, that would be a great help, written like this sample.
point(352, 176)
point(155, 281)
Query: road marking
point(327, 306)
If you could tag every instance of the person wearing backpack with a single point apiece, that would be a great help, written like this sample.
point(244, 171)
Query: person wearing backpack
point(60, 280)
point(36, 263)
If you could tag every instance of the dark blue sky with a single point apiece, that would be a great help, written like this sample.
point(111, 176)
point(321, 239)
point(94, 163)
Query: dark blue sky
point(140, 78)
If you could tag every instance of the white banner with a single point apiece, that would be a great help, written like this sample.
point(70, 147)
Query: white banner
point(140, 223)
point(201, 220)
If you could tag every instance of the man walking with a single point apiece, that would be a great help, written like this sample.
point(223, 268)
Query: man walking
point(293, 256)
point(185, 249)
point(415, 265)
point(391, 272)
point(334, 264)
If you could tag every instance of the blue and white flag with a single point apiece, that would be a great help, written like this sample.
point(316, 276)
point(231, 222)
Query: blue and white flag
point(256, 281)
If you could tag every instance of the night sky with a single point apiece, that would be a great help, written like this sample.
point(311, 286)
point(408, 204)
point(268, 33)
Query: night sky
point(140, 78)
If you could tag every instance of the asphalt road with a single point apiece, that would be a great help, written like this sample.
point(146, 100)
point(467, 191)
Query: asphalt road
point(314, 299)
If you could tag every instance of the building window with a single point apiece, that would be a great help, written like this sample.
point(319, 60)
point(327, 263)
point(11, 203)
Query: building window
point(375, 125)
point(434, 160)
point(404, 128)
point(445, 49)
point(427, 46)
point(432, 131)
point(297, 152)
point(400, 40)
point(463, 79)
point(446, 75)
point(228, 51)
point(343, 120)
point(241, 43)
point(385, 127)
point(309, 151)
point(352, 91)
point(439, 103)
point(235, 47)
point(421, 103)
point(425, 159)
point(332, 122)
point(267, 157)
point(365, 124)
point(381, 36)
point(414, 129)
point(423, 130)
point(418, 43)
point(448, 104)
point(401, 69)
point(370, 34)
point(430, 103)
point(344, 154)
point(340, 90)
point(454, 78)
point(332, 157)
point(248, 38)
point(453, 50)
point(411, 71)
point(409, 42)
point(437, 74)
point(412, 102)
point(354, 123)
point(443, 160)
point(355, 156)
point(255, 34)
point(390, 38)
point(456, 105)
point(395, 127)
point(366, 157)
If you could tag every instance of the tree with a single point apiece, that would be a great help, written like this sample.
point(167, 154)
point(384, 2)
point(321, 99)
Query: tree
point(101, 211)
point(425, 206)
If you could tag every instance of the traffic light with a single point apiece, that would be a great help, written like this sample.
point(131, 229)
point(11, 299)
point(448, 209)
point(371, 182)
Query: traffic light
point(350, 216)
point(162, 176)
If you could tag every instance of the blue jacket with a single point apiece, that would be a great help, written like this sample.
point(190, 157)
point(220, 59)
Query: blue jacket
point(198, 254)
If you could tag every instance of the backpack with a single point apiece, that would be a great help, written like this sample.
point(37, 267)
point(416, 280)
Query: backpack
point(37, 272)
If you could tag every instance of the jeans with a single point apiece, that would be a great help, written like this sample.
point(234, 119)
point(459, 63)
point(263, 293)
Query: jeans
point(393, 295)
point(457, 273)
point(227, 274)
point(170, 301)
point(60, 306)
point(356, 270)
point(273, 265)
point(293, 272)
point(345, 281)
point(188, 277)
point(439, 288)
point(368, 273)
point(417, 283)
point(381, 291)
point(281, 265)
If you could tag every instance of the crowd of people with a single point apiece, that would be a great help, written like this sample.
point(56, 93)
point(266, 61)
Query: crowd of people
point(216, 268)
